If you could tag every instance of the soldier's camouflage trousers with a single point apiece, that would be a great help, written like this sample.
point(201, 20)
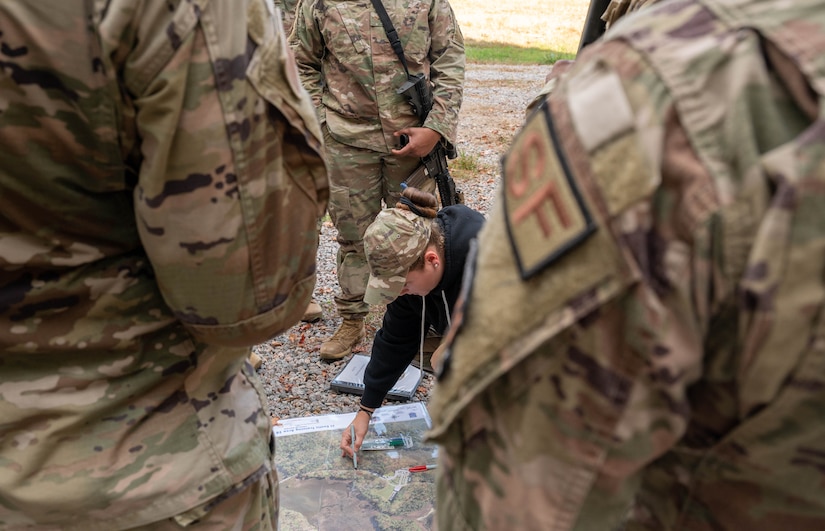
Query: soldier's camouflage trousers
point(359, 180)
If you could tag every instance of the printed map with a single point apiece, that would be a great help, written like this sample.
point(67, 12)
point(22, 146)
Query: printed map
point(320, 490)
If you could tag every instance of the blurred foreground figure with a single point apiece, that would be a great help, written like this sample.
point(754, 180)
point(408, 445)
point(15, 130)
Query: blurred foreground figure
point(160, 179)
point(619, 8)
point(641, 346)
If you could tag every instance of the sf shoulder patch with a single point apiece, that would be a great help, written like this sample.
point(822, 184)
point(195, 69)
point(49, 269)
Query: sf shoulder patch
point(546, 215)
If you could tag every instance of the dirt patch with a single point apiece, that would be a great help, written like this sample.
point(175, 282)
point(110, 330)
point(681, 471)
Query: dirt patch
point(495, 99)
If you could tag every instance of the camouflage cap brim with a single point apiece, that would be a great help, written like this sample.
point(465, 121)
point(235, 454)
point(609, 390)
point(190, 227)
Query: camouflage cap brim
point(384, 289)
point(392, 243)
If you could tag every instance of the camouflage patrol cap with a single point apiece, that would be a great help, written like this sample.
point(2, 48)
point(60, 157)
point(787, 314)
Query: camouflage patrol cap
point(392, 243)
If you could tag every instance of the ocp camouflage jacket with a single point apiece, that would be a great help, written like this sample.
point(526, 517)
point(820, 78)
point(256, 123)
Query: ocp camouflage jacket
point(644, 346)
point(160, 180)
point(352, 73)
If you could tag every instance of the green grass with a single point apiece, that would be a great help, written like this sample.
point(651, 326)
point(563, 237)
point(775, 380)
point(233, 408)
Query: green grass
point(465, 166)
point(520, 31)
point(465, 161)
point(502, 53)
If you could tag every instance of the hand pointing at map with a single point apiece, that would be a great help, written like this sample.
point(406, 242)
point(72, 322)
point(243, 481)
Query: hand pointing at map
point(361, 422)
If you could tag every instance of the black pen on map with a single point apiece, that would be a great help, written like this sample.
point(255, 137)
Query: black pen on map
point(354, 457)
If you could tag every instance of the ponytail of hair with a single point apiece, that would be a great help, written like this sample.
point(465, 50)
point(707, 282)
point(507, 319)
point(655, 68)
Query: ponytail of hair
point(425, 205)
point(419, 202)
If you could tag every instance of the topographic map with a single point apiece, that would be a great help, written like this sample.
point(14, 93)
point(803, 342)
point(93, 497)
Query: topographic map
point(320, 490)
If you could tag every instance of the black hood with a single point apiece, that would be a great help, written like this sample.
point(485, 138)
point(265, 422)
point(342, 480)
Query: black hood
point(460, 224)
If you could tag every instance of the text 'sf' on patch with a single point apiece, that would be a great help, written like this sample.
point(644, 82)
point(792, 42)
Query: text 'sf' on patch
point(546, 215)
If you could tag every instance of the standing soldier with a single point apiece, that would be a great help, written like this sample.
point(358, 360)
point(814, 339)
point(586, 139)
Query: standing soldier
point(664, 211)
point(353, 74)
point(160, 179)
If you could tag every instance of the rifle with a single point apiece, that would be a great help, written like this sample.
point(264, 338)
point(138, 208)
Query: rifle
point(434, 166)
point(419, 95)
point(594, 26)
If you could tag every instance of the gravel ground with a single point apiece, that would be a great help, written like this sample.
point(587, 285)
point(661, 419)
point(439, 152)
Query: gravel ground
point(295, 379)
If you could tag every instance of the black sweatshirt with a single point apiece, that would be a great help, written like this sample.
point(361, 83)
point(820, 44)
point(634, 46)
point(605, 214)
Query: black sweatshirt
point(399, 339)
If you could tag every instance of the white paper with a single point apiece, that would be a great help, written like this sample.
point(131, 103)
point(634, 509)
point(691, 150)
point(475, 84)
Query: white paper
point(394, 413)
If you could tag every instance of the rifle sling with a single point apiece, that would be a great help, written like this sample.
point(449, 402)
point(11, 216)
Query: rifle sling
point(392, 35)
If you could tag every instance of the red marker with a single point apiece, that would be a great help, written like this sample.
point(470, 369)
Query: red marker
point(421, 468)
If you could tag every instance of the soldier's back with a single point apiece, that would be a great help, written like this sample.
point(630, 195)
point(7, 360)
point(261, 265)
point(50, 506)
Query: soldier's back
point(665, 211)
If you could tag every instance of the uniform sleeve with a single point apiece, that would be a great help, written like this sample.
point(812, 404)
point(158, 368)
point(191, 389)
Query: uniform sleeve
point(308, 45)
point(231, 181)
point(447, 62)
point(579, 339)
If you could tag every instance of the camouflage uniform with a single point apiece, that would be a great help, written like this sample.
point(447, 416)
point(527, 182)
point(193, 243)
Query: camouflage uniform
point(288, 8)
point(619, 8)
point(350, 70)
point(665, 210)
point(160, 178)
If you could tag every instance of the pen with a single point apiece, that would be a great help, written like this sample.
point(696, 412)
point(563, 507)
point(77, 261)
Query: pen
point(354, 457)
point(384, 443)
point(421, 468)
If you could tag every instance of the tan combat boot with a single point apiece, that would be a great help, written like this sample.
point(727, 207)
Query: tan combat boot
point(347, 336)
point(255, 360)
point(313, 312)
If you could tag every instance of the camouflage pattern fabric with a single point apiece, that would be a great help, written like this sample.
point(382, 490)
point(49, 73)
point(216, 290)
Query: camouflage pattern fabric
point(619, 8)
point(393, 243)
point(350, 70)
point(288, 8)
point(360, 181)
point(352, 73)
point(251, 508)
point(160, 181)
point(642, 343)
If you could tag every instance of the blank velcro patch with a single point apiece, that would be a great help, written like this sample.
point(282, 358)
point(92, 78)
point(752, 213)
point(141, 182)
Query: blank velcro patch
point(545, 213)
point(599, 106)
